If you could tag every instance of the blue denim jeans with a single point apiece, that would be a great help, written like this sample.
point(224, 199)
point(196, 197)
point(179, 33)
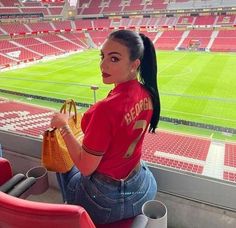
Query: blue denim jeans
point(107, 202)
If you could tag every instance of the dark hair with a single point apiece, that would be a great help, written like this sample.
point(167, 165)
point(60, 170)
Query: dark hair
point(141, 47)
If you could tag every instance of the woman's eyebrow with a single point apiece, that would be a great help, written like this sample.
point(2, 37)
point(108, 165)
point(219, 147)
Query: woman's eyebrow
point(111, 53)
point(114, 52)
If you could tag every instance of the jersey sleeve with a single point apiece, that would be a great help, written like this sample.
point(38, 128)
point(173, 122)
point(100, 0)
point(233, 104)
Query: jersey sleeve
point(98, 132)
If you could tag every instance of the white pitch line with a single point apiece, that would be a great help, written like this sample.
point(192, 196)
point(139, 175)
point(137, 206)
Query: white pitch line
point(39, 90)
point(172, 63)
point(199, 115)
point(79, 64)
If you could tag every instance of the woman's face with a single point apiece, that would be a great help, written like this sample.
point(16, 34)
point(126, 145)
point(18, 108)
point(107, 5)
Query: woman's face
point(115, 64)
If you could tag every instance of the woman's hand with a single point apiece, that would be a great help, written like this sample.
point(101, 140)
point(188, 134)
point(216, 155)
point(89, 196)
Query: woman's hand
point(59, 120)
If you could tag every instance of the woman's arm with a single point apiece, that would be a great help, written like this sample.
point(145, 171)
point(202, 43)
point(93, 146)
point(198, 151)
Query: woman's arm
point(87, 163)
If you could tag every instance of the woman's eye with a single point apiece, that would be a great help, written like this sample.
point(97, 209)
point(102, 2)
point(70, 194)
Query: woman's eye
point(114, 59)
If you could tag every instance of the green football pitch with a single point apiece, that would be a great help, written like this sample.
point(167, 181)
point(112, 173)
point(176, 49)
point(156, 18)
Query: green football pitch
point(195, 86)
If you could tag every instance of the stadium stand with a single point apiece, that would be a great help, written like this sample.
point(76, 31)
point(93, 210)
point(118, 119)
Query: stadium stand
point(42, 10)
point(185, 21)
point(134, 5)
point(94, 8)
point(24, 119)
point(7, 3)
point(78, 39)
point(31, 4)
point(100, 24)
point(182, 152)
point(225, 41)
point(225, 20)
point(5, 61)
point(83, 24)
point(164, 148)
point(166, 25)
point(169, 40)
point(151, 35)
point(9, 10)
point(168, 37)
point(178, 151)
point(99, 37)
point(183, 5)
point(156, 5)
point(38, 27)
point(53, 3)
point(15, 28)
point(45, 48)
point(62, 25)
point(113, 7)
point(157, 149)
point(230, 176)
point(200, 37)
point(55, 11)
point(205, 20)
point(230, 162)
point(58, 42)
point(230, 155)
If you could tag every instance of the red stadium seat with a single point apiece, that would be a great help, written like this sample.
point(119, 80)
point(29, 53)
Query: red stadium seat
point(16, 212)
point(5, 170)
point(21, 213)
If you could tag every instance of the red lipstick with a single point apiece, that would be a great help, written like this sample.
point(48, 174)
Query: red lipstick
point(105, 75)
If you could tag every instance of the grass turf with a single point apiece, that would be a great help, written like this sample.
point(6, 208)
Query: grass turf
point(195, 86)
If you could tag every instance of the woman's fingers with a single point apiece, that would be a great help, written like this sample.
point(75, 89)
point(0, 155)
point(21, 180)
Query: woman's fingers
point(58, 120)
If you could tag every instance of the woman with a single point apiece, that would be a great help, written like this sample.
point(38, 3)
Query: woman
point(109, 179)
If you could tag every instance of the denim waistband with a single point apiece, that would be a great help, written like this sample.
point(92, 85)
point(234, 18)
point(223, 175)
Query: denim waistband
point(111, 180)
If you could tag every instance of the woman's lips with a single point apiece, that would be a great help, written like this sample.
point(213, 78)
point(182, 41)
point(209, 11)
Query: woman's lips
point(105, 75)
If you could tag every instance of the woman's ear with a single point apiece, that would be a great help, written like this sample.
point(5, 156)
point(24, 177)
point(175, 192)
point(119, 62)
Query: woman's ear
point(136, 64)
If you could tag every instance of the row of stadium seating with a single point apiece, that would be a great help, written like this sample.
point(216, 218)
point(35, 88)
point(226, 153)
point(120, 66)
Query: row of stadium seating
point(34, 48)
point(230, 161)
point(24, 119)
point(186, 153)
point(27, 49)
point(206, 40)
point(98, 7)
point(16, 3)
point(155, 22)
point(46, 11)
point(121, 5)
point(229, 176)
point(230, 155)
point(181, 145)
point(53, 8)
point(87, 7)
point(178, 151)
point(158, 21)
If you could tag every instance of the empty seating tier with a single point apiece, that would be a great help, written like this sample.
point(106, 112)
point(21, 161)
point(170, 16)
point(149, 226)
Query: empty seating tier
point(24, 119)
point(177, 151)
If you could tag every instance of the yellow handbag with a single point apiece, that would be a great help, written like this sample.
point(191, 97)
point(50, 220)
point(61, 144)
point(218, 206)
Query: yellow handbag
point(55, 156)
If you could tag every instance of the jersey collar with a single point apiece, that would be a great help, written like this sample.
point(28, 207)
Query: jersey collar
point(125, 85)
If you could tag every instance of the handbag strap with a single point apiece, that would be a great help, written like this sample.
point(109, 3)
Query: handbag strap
point(69, 105)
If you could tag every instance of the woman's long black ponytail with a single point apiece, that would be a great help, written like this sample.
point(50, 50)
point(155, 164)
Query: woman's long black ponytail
point(148, 76)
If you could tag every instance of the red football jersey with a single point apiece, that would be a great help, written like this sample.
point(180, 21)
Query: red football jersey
point(115, 128)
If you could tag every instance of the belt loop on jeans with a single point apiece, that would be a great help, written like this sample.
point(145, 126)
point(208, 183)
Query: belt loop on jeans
point(122, 186)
